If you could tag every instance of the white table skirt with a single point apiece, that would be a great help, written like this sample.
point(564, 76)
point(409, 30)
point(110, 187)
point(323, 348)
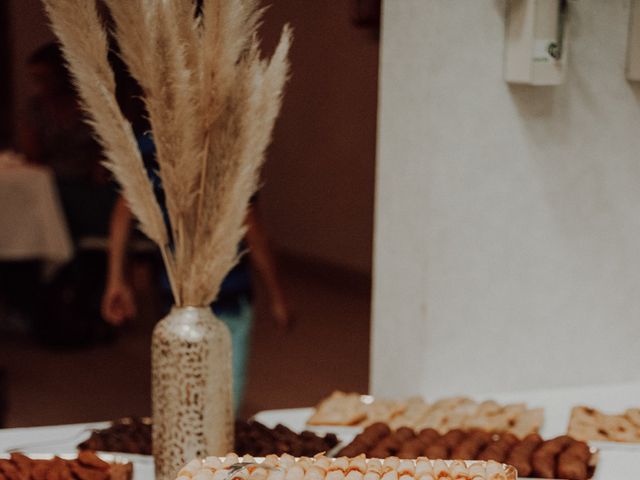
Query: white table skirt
point(617, 461)
point(32, 221)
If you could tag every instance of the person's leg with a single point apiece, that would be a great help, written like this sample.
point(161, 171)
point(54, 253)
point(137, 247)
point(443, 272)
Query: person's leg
point(239, 323)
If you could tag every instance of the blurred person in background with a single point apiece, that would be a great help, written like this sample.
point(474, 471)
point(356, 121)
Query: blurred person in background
point(55, 134)
point(234, 302)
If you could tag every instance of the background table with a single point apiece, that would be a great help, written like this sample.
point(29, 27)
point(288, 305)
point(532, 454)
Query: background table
point(33, 223)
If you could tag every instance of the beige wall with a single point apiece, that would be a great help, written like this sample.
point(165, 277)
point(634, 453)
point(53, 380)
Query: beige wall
point(507, 218)
point(319, 178)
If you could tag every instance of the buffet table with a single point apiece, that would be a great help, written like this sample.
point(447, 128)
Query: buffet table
point(617, 461)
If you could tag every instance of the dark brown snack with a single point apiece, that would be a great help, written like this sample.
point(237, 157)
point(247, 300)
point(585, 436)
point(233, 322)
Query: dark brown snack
point(452, 438)
point(353, 450)
point(496, 451)
point(39, 470)
point(86, 467)
point(520, 454)
point(543, 463)
point(578, 450)
point(121, 472)
point(256, 439)
point(544, 459)
point(10, 470)
point(89, 459)
point(508, 438)
point(403, 434)
point(58, 469)
point(436, 450)
point(379, 452)
point(573, 462)
point(377, 430)
point(127, 435)
point(558, 444)
point(428, 435)
point(366, 440)
point(573, 469)
point(23, 463)
point(412, 449)
point(85, 473)
point(471, 445)
point(390, 443)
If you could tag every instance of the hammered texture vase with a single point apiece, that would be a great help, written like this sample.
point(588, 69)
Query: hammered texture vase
point(191, 389)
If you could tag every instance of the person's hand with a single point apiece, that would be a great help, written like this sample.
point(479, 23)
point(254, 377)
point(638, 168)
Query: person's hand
point(118, 303)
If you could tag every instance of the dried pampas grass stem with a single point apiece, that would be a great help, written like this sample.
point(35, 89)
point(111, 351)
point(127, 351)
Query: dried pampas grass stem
point(212, 103)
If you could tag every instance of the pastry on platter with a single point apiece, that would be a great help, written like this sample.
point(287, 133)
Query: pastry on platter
point(320, 467)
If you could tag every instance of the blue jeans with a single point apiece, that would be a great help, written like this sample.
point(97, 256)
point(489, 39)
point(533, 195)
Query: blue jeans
point(239, 322)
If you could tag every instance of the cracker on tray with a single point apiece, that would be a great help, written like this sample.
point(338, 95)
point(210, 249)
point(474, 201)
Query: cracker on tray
point(591, 424)
point(444, 415)
point(339, 409)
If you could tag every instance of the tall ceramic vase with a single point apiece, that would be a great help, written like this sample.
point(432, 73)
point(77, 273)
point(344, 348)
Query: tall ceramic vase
point(191, 389)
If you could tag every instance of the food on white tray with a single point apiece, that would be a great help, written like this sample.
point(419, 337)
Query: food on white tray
point(591, 424)
point(444, 415)
point(561, 457)
point(320, 467)
point(133, 435)
point(87, 466)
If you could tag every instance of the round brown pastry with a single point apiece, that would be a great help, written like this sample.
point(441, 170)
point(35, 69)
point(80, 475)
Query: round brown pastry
point(544, 457)
point(436, 450)
point(579, 450)
point(404, 433)
point(412, 449)
point(379, 452)
point(390, 443)
point(470, 446)
point(496, 451)
point(573, 462)
point(557, 444)
point(377, 430)
point(428, 435)
point(353, 450)
point(543, 463)
point(572, 469)
point(453, 438)
point(508, 438)
point(368, 441)
point(520, 454)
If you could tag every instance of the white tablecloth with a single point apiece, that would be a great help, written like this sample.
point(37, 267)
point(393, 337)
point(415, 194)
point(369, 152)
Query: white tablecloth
point(32, 224)
point(617, 461)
